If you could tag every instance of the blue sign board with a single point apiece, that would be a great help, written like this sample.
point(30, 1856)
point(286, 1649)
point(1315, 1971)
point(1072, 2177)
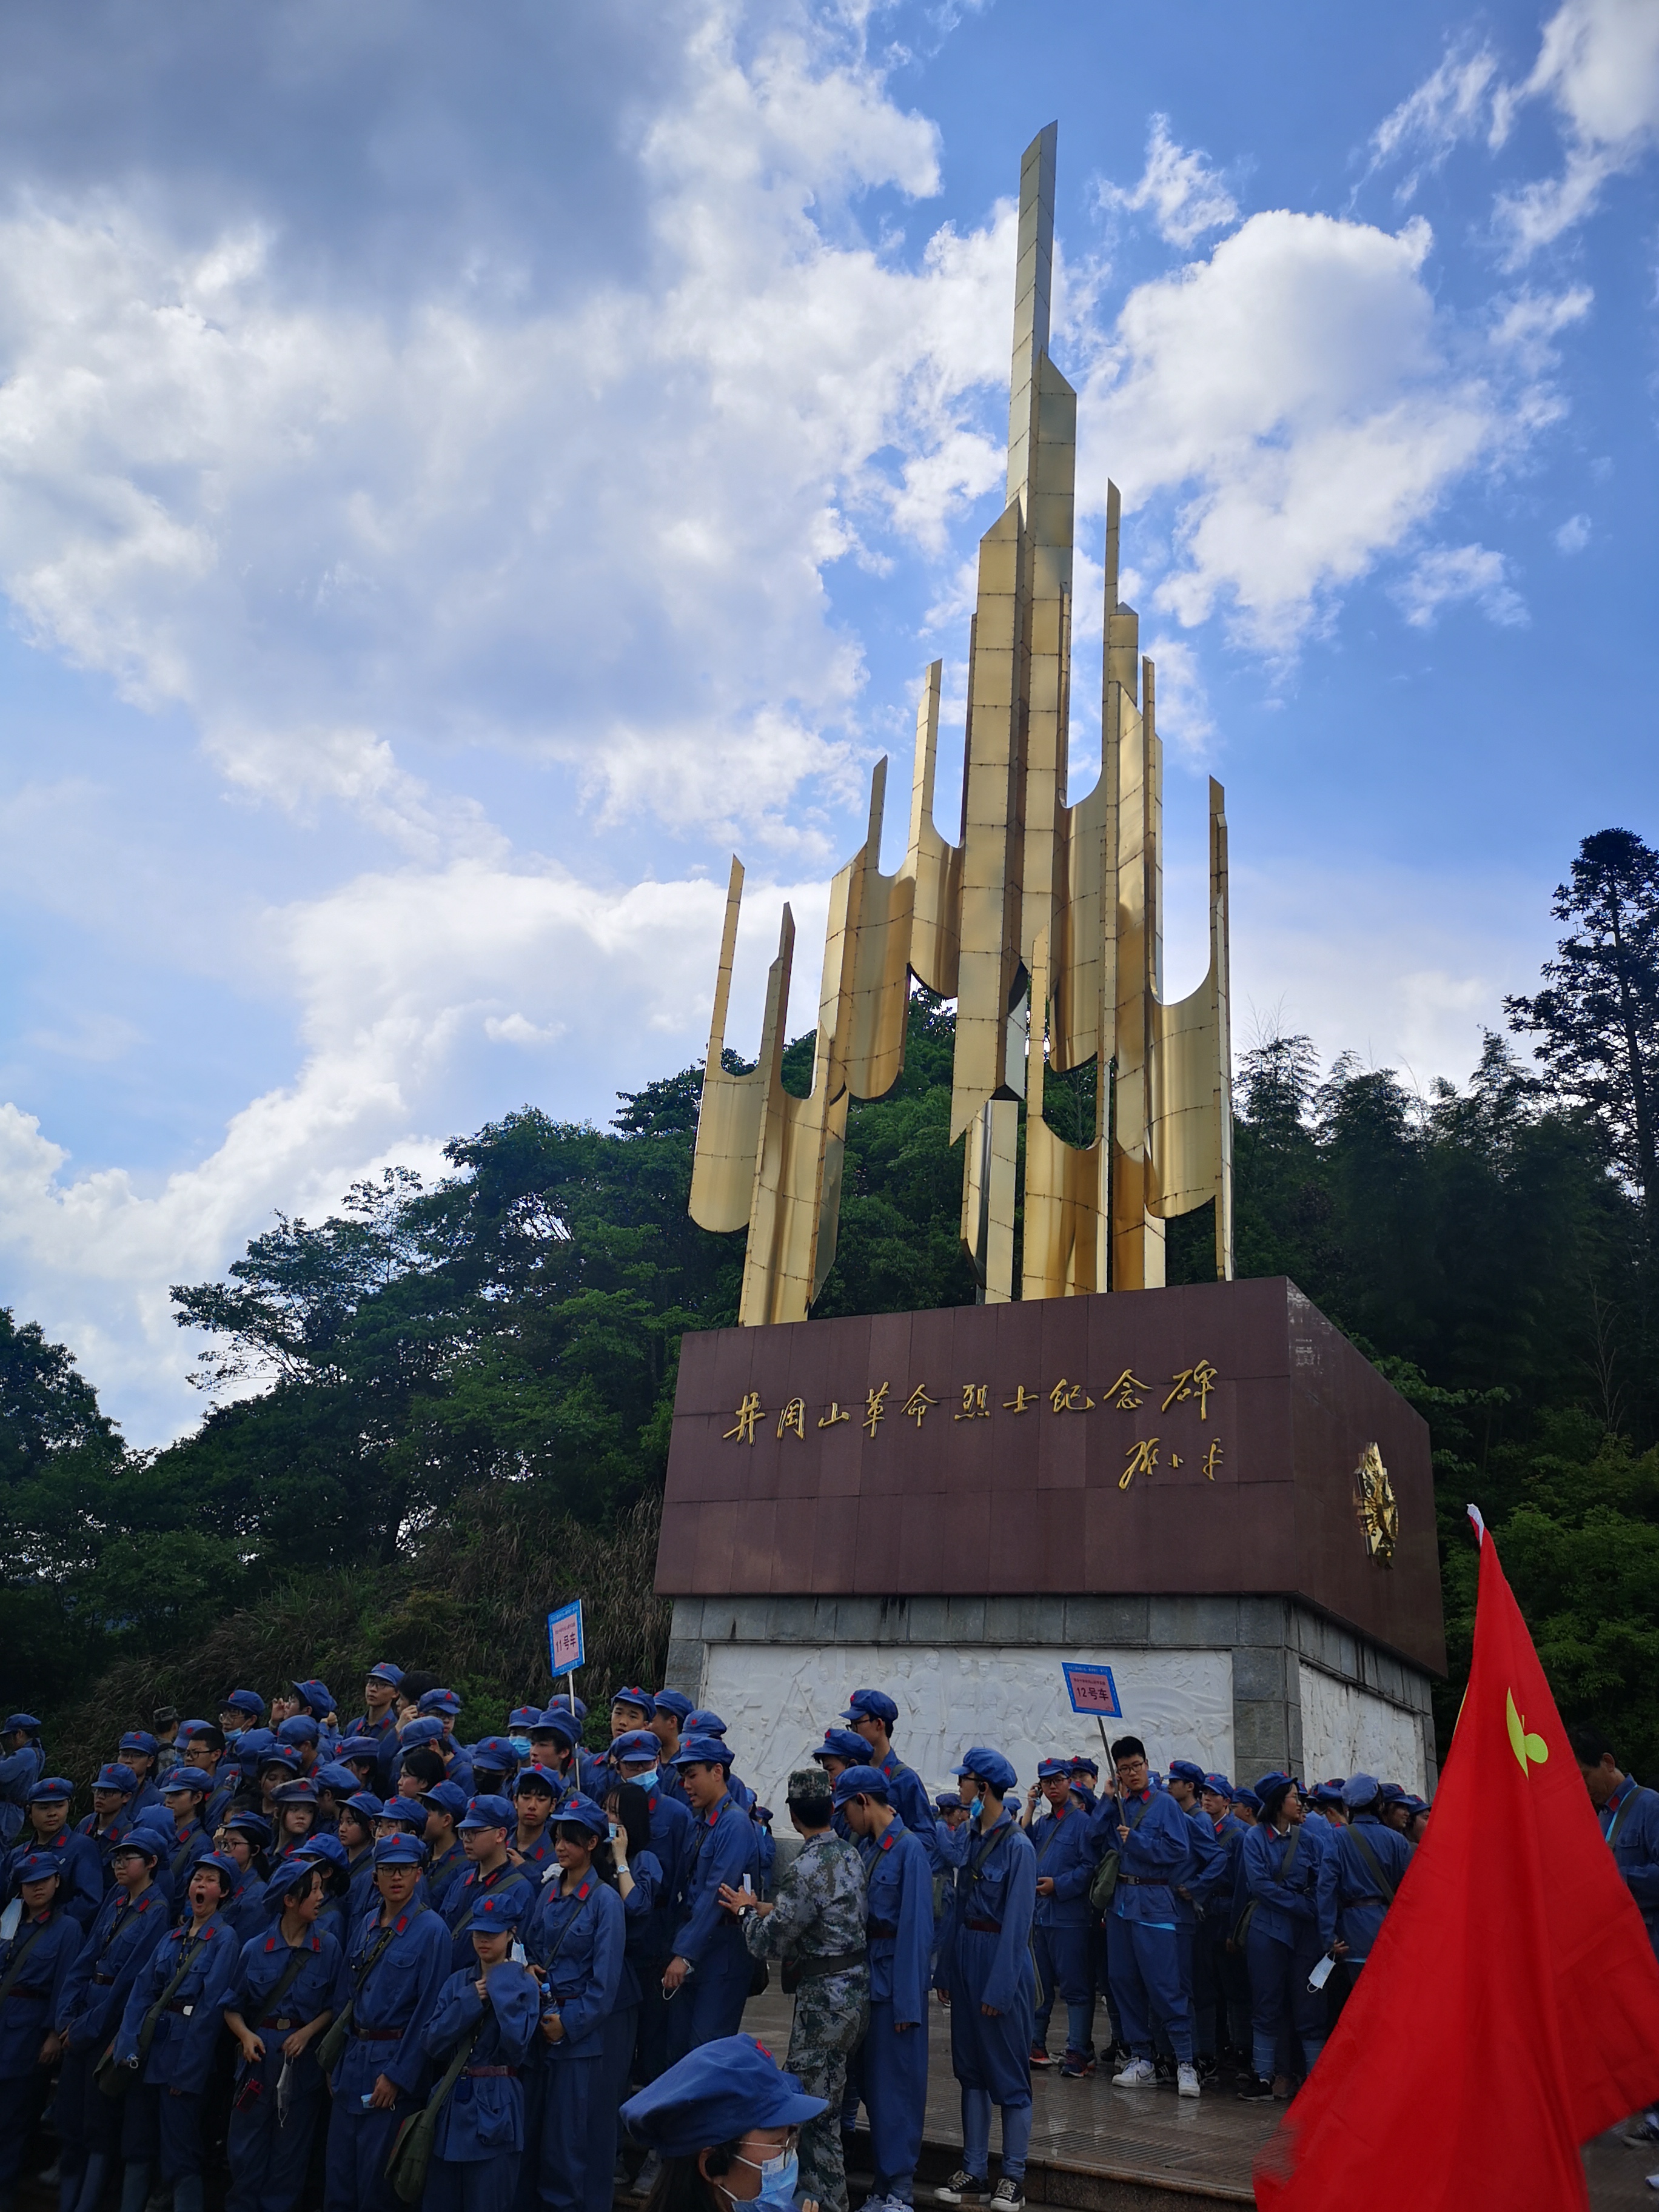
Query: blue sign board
point(1091, 1690)
point(564, 1637)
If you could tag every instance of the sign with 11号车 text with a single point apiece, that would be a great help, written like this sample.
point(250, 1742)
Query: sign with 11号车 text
point(564, 1637)
point(1091, 1690)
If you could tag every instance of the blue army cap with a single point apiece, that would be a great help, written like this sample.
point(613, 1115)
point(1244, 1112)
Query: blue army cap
point(336, 1777)
point(1187, 1770)
point(279, 1754)
point(227, 1870)
point(635, 1743)
point(1218, 1785)
point(860, 1781)
point(1391, 1793)
point(251, 1746)
point(364, 1747)
point(244, 1701)
point(364, 1803)
point(1244, 1796)
point(987, 1766)
point(715, 2094)
point(704, 1723)
point(407, 1812)
point(299, 1727)
point(26, 1722)
point(842, 1743)
point(399, 1851)
point(524, 1717)
point(146, 1839)
point(428, 1729)
point(139, 1739)
point(183, 1778)
point(530, 1777)
point(569, 1706)
point(947, 1802)
point(1324, 1795)
point(676, 1704)
point(448, 1797)
point(253, 1825)
point(39, 1866)
point(1360, 1789)
point(488, 1810)
point(289, 1873)
point(157, 1818)
point(1048, 1769)
point(585, 1815)
point(302, 1792)
point(384, 1671)
point(51, 1790)
point(559, 1722)
point(631, 1694)
point(1081, 1766)
point(1414, 1803)
point(503, 1909)
point(327, 1850)
point(702, 1751)
point(495, 1753)
point(317, 1698)
point(117, 1776)
point(440, 1701)
point(870, 1706)
point(1273, 1786)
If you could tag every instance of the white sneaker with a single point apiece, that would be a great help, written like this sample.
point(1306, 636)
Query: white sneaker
point(1139, 2073)
point(1186, 2080)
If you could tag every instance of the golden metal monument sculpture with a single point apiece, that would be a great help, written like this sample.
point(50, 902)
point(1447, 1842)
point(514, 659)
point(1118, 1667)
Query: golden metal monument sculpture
point(1043, 924)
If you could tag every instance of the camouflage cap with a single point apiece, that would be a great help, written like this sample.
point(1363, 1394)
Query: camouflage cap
point(810, 1785)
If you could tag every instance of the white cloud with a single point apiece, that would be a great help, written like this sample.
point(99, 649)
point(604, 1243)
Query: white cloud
point(1574, 535)
point(1185, 196)
point(1454, 104)
point(1297, 394)
point(1598, 65)
point(1449, 574)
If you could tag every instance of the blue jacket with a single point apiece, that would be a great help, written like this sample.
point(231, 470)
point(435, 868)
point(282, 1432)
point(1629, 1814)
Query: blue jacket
point(1065, 1855)
point(996, 1898)
point(482, 2116)
point(641, 1922)
point(1630, 1818)
point(1213, 1889)
point(19, 1772)
point(1281, 1872)
point(577, 1938)
point(260, 1965)
point(672, 1825)
point(1155, 1860)
point(399, 1994)
point(908, 1796)
point(1350, 1900)
point(34, 1999)
point(1209, 1859)
point(187, 2033)
point(899, 1917)
point(118, 1944)
point(723, 1849)
point(81, 1884)
point(461, 1903)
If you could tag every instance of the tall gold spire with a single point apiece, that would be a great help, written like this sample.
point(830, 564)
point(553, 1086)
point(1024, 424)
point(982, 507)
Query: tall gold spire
point(1044, 924)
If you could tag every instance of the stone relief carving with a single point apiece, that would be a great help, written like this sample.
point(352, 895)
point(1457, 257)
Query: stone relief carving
point(778, 1699)
point(1346, 1730)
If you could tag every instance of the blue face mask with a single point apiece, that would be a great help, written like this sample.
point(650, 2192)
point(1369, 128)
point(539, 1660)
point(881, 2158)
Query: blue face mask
point(520, 1744)
point(779, 2177)
point(646, 1782)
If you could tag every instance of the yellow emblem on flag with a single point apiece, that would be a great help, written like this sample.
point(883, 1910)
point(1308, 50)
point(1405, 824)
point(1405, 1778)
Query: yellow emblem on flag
point(1523, 1746)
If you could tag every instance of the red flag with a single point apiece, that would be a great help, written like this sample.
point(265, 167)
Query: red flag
point(1510, 2009)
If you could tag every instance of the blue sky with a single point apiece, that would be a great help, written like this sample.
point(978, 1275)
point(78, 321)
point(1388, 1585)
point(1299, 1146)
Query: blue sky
point(462, 476)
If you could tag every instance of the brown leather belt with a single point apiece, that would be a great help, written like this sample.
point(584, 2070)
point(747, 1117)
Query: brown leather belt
point(984, 1927)
point(492, 2072)
point(378, 2034)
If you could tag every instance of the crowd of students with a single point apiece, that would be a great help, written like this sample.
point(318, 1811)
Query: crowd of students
point(368, 1964)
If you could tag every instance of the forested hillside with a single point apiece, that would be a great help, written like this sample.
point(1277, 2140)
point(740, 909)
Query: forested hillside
point(465, 1390)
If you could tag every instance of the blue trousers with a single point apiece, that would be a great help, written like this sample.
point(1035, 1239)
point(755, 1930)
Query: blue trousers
point(471, 2184)
point(1065, 1970)
point(359, 2145)
point(615, 2063)
point(268, 2163)
point(1147, 1987)
point(976, 2135)
point(569, 2087)
point(20, 2100)
point(711, 1999)
point(895, 2091)
point(1280, 2000)
point(164, 2124)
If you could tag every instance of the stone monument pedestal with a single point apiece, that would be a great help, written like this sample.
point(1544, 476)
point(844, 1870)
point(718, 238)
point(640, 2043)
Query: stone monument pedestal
point(1207, 1488)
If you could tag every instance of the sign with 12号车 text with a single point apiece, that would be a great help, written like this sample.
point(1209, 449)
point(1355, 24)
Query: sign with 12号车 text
point(1091, 1690)
point(564, 1637)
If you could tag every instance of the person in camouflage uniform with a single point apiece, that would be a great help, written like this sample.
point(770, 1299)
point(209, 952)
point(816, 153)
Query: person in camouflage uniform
point(815, 1927)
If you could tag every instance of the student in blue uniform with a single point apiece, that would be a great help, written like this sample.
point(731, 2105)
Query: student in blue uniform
point(129, 1924)
point(378, 1717)
point(702, 1722)
point(534, 1793)
point(278, 2007)
point(239, 1712)
point(639, 1884)
point(553, 1743)
point(34, 1966)
point(47, 1829)
point(870, 1715)
point(519, 1722)
point(244, 1839)
point(1155, 1854)
point(632, 1709)
point(494, 1763)
point(316, 1705)
point(1208, 1867)
point(446, 1859)
point(395, 1965)
point(1282, 1859)
point(1065, 1866)
point(669, 1841)
point(721, 2125)
point(1227, 1975)
point(110, 1817)
point(575, 1936)
point(483, 1830)
point(899, 1942)
point(354, 1829)
point(986, 1973)
point(22, 1763)
point(707, 1978)
point(138, 1749)
point(169, 2034)
point(668, 1718)
point(296, 1807)
point(480, 2030)
point(184, 1795)
point(1360, 1869)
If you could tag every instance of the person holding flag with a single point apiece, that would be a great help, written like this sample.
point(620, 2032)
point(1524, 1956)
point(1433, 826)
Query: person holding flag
point(1508, 2010)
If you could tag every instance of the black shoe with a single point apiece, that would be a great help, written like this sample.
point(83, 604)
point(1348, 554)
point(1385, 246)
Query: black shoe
point(1008, 2195)
point(1164, 2068)
point(964, 2188)
point(1252, 2090)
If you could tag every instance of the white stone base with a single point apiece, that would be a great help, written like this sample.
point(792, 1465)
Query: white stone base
point(1347, 1730)
point(778, 1699)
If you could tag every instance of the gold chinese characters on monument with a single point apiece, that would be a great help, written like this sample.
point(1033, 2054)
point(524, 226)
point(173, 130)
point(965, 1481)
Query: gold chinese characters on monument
point(1043, 923)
